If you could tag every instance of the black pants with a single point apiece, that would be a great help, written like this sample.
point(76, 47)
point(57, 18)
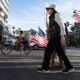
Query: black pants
point(54, 43)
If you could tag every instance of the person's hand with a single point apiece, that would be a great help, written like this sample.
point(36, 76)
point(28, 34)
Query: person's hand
point(62, 39)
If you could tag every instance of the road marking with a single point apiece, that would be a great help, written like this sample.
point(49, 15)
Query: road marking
point(30, 61)
point(26, 66)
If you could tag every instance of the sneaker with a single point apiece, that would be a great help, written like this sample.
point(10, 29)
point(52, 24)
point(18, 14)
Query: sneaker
point(43, 71)
point(68, 70)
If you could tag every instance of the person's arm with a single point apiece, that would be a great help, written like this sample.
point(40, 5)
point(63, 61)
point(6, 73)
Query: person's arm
point(58, 20)
point(46, 21)
point(47, 25)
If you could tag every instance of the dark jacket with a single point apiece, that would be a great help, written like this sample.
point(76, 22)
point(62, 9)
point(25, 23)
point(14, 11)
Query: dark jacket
point(54, 28)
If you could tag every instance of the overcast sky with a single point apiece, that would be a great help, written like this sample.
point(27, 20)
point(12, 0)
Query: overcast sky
point(30, 13)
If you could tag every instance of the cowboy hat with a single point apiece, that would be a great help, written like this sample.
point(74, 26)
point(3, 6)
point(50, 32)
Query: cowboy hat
point(53, 6)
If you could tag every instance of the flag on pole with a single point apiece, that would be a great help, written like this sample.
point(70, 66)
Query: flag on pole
point(41, 32)
point(42, 38)
point(76, 15)
point(77, 11)
point(34, 37)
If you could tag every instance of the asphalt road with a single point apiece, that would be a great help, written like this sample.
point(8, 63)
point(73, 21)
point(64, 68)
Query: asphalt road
point(18, 67)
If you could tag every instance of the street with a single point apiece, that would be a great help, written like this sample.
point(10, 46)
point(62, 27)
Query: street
point(18, 67)
point(36, 24)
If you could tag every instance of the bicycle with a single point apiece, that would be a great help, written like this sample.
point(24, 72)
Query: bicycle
point(4, 33)
point(24, 49)
point(5, 48)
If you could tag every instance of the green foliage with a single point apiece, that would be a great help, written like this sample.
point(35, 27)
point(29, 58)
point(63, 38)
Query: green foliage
point(73, 39)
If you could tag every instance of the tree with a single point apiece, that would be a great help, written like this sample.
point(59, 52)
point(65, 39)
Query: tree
point(18, 30)
point(76, 27)
point(72, 29)
point(75, 34)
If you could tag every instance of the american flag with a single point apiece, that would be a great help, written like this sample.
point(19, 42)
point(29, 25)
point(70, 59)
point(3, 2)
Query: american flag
point(33, 36)
point(76, 15)
point(39, 38)
point(42, 38)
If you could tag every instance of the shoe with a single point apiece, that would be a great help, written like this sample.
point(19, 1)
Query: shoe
point(43, 71)
point(68, 70)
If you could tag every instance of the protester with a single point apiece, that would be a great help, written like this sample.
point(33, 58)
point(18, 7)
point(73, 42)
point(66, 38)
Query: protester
point(56, 39)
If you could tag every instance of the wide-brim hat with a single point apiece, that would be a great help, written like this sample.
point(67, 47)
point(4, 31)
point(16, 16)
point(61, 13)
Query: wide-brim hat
point(52, 6)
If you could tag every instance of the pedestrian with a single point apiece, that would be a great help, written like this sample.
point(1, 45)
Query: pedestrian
point(55, 42)
point(52, 63)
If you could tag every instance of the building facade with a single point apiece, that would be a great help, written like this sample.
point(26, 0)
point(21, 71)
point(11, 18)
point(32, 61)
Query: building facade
point(4, 6)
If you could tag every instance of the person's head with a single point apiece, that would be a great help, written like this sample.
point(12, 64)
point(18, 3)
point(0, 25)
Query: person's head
point(21, 32)
point(50, 9)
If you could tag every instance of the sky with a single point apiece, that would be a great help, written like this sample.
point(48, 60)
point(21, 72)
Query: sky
point(27, 14)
